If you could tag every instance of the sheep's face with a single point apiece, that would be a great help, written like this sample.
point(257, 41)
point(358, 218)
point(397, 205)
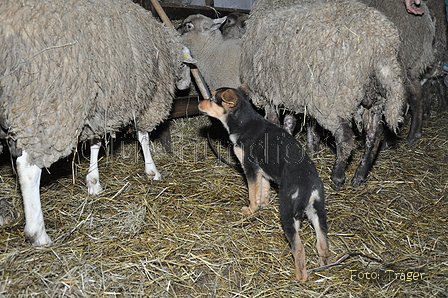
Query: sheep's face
point(200, 23)
point(235, 25)
point(183, 72)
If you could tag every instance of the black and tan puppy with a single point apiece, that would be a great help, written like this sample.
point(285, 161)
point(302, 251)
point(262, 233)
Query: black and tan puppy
point(268, 152)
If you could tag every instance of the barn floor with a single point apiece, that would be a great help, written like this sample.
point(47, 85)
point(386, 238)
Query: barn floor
point(184, 236)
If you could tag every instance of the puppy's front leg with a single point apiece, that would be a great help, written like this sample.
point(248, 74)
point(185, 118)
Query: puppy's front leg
point(255, 184)
point(265, 195)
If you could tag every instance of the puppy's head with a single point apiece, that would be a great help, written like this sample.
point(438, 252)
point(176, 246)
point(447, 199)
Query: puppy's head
point(222, 102)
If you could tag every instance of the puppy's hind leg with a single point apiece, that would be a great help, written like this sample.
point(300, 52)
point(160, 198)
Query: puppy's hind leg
point(290, 214)
point(316, 213)
point(298, 252)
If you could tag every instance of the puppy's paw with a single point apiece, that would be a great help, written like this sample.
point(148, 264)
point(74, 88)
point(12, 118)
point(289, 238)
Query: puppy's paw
point(301, 275)
point(246, 210)
point(324, 260)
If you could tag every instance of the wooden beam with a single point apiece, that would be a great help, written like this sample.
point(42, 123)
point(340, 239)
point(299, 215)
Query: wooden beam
point(178, 11)
point(185, 106)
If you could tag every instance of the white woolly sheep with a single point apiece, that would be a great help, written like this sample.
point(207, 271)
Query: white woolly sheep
point(276, 82)
point(336, 61)
point(416, 54)
point(217, 59)
point(436, 75)
point(76, 70)
point(93, 176)
point(235, 27)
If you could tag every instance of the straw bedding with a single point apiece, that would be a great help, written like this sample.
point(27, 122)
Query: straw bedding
point(185, 236)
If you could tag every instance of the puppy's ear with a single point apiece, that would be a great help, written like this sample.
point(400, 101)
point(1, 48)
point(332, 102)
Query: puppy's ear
point(245, 89)
point(229, 97)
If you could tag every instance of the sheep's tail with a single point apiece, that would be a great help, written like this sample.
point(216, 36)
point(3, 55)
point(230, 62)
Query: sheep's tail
point(391, 78)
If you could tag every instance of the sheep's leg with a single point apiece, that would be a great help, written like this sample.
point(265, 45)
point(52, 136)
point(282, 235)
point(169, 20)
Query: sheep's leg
point(289, 123)
point(374, 130)
point(29, 179)
point(437, 87)
point(272, 115)
point(429, 87)
point(344, 145)
point(389, 138)
point(415, 98)
point(93, 176)
point(312, 137)
point(150, 166)
point(442, 97)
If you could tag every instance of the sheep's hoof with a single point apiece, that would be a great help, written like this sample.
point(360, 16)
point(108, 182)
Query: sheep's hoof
point(324, 260)
point(357, 181)
point(154, 176)
point(39, 240)
point(94, 187)
point(337, 185)
point(338, 176)
point(412, 138)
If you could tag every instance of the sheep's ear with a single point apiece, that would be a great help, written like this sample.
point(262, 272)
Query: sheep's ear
point(217, 23)
point(230, 98)
point(187, 56)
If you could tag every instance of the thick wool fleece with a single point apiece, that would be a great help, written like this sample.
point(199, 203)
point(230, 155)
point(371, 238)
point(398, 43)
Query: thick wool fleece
point(323, 58)
point(417, 34)
point(75, 69)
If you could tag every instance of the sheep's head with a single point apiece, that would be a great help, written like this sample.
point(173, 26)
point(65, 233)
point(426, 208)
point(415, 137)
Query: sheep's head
point(235, 25)
point(183, 73)
point(199, 32)
point(200, 23)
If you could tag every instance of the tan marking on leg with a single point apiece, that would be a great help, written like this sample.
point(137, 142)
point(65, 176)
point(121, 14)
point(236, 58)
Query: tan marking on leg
point(265, 194)
point(239, 154)
point(322, 248)
point(321, 238)
point(254, 195)
point(298, 252)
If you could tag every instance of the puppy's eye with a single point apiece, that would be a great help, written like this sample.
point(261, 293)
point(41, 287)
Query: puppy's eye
point(212, 99)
